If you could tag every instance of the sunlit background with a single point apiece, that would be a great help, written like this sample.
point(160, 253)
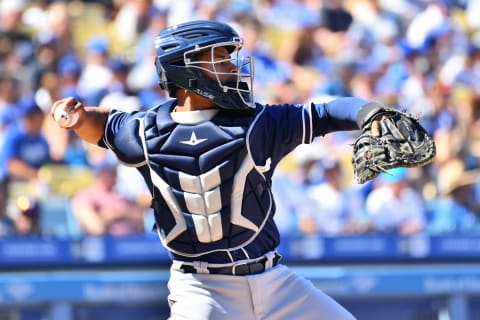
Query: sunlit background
point(75, 225)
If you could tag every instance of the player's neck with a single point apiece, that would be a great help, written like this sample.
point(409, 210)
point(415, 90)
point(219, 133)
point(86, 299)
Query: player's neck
point(188, 101)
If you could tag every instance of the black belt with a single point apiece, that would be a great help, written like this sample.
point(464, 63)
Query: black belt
point(239, 269)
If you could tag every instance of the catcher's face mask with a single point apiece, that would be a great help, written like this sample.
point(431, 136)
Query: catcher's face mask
point(226, 78)
point(232, 73)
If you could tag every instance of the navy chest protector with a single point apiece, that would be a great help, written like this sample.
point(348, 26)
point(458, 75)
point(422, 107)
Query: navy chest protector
point(208, 196)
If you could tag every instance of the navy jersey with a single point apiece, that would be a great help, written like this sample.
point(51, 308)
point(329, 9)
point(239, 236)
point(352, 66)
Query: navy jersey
point(209, 171)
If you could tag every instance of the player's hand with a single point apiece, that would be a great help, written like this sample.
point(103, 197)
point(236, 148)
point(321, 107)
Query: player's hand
point(377, 126)
point(73, 110)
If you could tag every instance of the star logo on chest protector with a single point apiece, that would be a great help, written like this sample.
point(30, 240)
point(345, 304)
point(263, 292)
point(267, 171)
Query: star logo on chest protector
point(193, 141)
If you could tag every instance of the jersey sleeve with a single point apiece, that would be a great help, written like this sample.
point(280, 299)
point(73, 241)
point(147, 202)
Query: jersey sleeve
point(276, 131)
point(279, 129)
point(336, 115)
point(123, 138)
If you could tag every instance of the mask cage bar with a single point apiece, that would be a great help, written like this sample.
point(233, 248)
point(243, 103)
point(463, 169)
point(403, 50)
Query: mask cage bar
point(243, 71)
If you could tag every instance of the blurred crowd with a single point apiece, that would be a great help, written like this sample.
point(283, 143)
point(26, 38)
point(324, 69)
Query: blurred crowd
point(419, 56)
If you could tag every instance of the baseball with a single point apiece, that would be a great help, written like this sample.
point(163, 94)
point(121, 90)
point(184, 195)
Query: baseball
point(64, 118)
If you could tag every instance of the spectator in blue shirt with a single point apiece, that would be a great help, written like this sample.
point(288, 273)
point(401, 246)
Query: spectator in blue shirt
point(456, 208)
point(25, 148)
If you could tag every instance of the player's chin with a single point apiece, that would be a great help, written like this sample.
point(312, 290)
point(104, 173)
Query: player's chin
point(232, 82)
point(228, 77)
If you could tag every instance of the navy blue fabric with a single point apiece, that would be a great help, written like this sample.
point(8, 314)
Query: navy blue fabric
point(266, 135)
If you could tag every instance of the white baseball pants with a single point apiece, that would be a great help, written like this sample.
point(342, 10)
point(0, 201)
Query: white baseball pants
point(276, 294)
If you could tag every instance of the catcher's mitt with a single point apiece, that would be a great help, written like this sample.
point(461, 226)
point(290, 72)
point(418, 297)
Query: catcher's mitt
point(403, 143)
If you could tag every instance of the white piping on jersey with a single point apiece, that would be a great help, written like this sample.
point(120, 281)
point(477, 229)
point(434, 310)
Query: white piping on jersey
point(303, 124)
point(245, 253)
point(109, 145)
point(105, 140)
point(260, 168)
point(133, 165)
point(246, 167)
point(266, 167)
point(309, 110)
point(230, 255)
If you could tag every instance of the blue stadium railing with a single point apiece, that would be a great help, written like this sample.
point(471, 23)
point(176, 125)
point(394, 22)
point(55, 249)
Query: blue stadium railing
point(376, 269)
point(25, 252)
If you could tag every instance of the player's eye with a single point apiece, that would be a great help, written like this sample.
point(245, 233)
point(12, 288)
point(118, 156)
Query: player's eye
point(222, 61)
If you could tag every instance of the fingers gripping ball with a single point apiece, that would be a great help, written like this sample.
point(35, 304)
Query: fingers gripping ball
point(403, 143)
point(65, 116)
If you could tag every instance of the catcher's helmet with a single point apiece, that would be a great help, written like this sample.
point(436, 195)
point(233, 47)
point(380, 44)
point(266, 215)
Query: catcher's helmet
point(176, 48)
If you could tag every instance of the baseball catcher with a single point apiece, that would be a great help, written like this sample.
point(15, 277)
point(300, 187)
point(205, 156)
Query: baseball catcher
point(208, 156)
point(403, 142)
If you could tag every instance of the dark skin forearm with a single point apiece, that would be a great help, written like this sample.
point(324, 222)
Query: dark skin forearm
point(91, 122)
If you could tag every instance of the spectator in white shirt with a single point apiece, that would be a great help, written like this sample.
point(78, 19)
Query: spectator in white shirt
point(394, 205)
point(336, 208)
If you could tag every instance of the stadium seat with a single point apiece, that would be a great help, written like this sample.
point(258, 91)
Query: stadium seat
point(53, 217)
point(65, 180)
point(57, 219)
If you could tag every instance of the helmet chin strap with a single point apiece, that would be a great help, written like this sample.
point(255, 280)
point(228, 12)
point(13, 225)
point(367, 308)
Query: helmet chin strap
point(236, 97)
point(231, 98)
